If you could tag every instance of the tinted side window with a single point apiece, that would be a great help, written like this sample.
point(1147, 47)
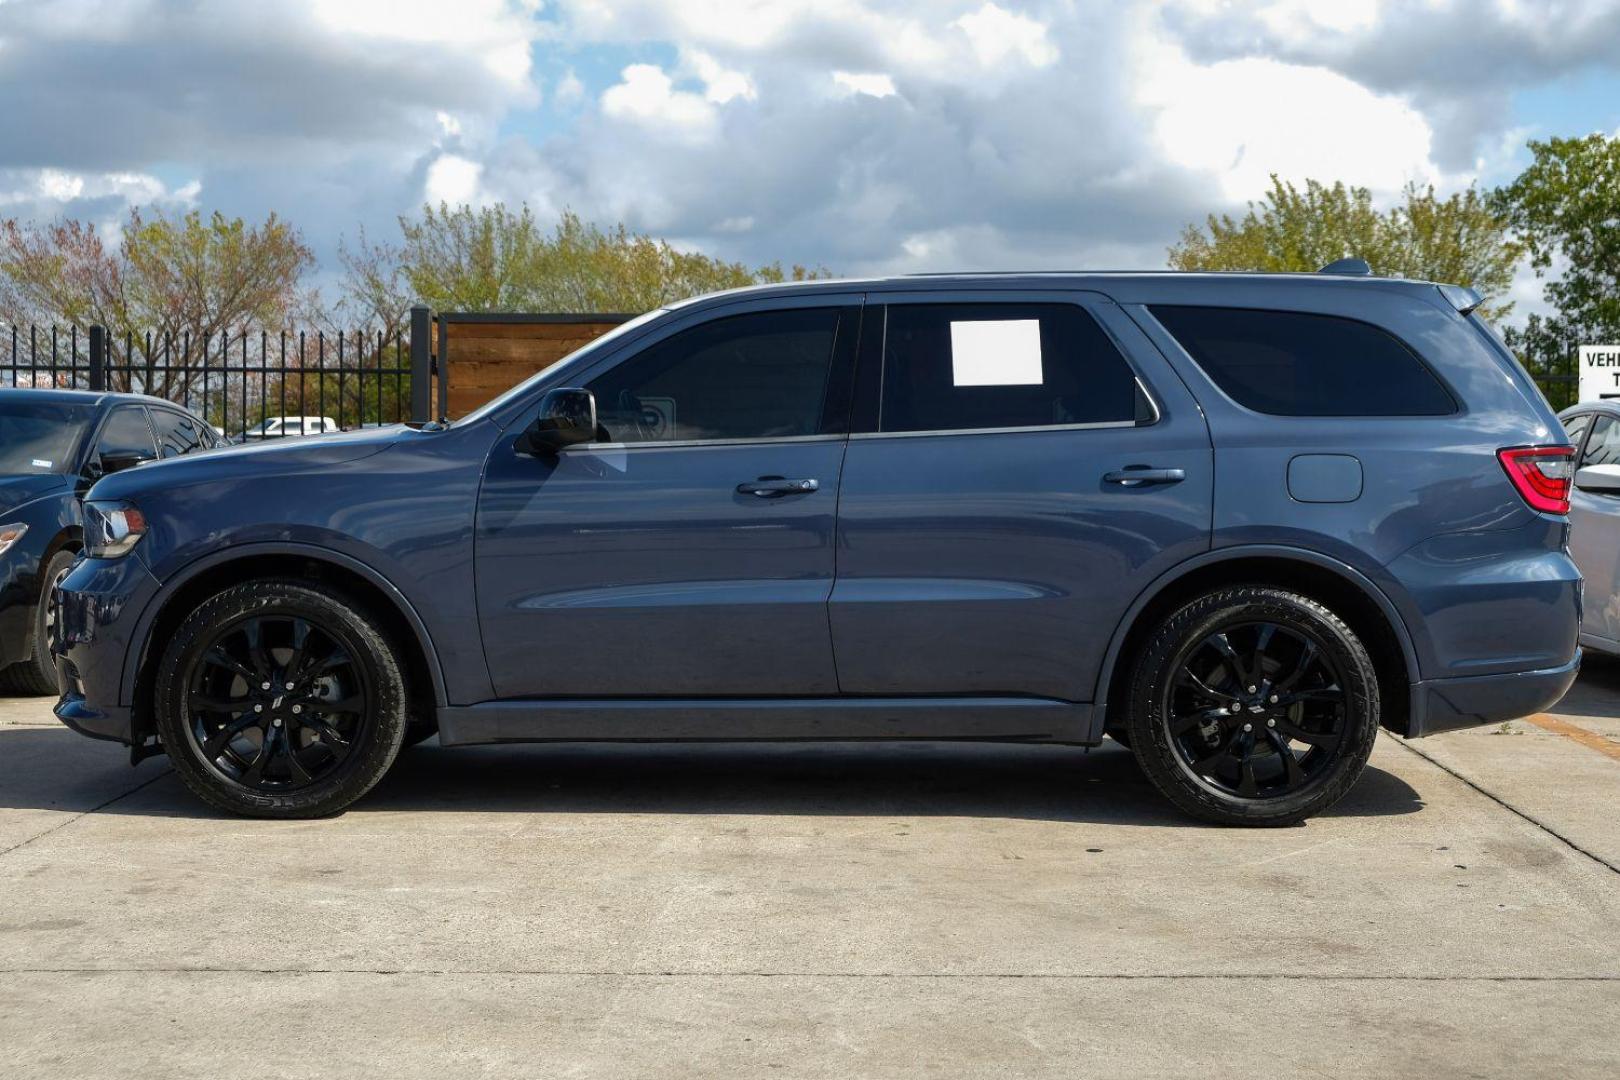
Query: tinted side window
point(127, 432)
point(759, 376)
point(1291, 364)
point(1603, 446)
point(967, 366)
point(178, 433)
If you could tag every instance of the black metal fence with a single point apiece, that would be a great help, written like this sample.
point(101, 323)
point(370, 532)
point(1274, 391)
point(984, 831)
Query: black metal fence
point(238, 380)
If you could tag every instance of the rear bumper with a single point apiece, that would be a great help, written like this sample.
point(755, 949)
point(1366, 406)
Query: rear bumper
point(1447, 704)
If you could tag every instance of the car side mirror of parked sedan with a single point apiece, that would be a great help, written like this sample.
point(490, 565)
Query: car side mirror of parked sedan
point(1599, 479)
point(567, 416)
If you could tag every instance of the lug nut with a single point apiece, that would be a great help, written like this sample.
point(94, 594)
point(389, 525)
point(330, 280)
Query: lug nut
point(264, 686)
point(276, 722)
point(1248, 727)
point(297, 709)
point(1252, 689)
point(1273, 697)
point(1271, 723)
point(258, 708)
point(291, 685)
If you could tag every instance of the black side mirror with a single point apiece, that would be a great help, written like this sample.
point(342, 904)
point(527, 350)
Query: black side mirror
point(567, 416)
point(128, 459)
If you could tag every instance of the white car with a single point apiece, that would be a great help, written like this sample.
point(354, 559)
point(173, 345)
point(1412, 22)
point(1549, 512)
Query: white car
point(1594, 518)
point(277, 426)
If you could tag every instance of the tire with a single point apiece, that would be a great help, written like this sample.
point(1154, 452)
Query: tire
point(36, 675)
point(1239, 725)
point(278, 700)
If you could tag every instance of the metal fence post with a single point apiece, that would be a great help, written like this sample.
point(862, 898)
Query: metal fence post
point(98, 358)
point(421, 364)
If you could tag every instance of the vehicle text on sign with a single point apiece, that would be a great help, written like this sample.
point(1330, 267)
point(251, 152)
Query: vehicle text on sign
point(1600, 372)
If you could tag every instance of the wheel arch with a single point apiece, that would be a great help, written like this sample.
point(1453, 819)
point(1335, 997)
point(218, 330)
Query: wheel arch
point(1351, 594)
point(304, 561)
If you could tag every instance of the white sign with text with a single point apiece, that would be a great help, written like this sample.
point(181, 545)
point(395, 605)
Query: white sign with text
point(1600, 372)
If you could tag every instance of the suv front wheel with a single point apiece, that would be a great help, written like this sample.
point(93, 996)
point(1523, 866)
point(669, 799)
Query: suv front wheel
point(1253, 706)
point(274, 699)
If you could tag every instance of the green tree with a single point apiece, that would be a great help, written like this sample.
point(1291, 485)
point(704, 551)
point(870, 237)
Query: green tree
point(1566, 209)
point(1460, 239)
point(175, 278)
point(498, 259)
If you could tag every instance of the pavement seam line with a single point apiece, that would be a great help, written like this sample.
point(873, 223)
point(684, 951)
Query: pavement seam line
point(1510, 808)
point(1589, 739)
point(86, 813)
point(895, 975)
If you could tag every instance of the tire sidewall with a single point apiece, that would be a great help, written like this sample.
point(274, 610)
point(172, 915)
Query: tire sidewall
point(381, 734)
point(1174, 640)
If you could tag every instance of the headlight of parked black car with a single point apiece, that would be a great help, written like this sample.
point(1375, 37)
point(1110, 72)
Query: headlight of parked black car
point(111, 529)
point(10, 534)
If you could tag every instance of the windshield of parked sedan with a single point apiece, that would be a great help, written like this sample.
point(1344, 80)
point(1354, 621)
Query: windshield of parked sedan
point(39, 437)
point(578, 357)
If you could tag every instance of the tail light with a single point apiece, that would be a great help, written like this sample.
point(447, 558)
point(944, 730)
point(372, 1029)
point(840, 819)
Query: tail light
point(1542, 474)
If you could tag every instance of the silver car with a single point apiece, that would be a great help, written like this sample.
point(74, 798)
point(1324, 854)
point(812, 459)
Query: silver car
point(1594, 518)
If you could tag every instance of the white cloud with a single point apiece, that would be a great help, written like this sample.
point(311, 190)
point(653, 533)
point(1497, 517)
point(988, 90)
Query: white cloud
point(646, 96)
point(1239, 121)
point(997, 34)
point(720, 85)
point(452, 179)
point(570, 90)
point(873, 85)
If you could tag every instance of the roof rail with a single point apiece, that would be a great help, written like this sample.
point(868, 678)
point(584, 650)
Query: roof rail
point(1358, 267)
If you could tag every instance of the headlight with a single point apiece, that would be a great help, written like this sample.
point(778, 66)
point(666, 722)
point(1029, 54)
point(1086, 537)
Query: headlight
point(111, 529)
point(9, 535)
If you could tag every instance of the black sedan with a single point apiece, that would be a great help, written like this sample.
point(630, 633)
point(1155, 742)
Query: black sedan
point(53, 445)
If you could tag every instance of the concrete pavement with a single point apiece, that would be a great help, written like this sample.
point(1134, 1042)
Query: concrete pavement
point(814, 910)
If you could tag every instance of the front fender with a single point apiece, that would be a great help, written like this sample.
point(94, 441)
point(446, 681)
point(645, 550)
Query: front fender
point(140, 636)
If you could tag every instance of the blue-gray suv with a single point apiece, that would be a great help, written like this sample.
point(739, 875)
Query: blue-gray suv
point(1236, 522)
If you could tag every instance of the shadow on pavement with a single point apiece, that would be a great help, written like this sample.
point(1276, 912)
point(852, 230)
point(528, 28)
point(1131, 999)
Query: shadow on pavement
point(56, 769)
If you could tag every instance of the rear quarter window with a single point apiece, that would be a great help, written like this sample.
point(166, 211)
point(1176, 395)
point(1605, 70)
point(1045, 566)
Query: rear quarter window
point(1290, 363)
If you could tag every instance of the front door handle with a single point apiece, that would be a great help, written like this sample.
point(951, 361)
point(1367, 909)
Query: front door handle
point(774, 487)
point(1142, 475)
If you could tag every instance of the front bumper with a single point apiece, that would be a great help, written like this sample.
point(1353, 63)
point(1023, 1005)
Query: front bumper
point(1447, 704)
point(98, 607)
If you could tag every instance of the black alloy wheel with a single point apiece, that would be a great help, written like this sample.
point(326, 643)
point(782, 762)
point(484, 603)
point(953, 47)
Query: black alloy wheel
point(1253, 705)
point(279, 698)
point(275, 703)
point(1256, 709)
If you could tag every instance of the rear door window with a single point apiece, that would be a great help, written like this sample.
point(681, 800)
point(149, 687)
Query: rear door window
point(1289, 363)
point(977, 366)
point(1603, 445)
point(178, 433)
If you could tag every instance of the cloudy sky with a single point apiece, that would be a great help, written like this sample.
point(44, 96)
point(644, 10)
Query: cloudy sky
point(863, 135)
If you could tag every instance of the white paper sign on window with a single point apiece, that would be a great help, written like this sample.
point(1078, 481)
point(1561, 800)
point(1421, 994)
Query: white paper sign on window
point(996, 352)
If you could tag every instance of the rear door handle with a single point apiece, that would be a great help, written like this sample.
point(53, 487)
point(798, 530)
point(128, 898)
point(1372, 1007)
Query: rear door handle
point(1142, 475)
point(774, 487)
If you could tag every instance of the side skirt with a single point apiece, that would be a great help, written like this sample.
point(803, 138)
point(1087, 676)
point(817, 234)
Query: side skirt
point(1005, 719)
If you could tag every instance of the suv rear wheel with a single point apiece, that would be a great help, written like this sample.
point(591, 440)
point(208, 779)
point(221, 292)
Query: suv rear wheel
point(1253, 706)
point(277, 700)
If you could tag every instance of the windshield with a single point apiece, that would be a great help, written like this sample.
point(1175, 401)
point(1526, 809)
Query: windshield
point(579, 356)
point(39, 437)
